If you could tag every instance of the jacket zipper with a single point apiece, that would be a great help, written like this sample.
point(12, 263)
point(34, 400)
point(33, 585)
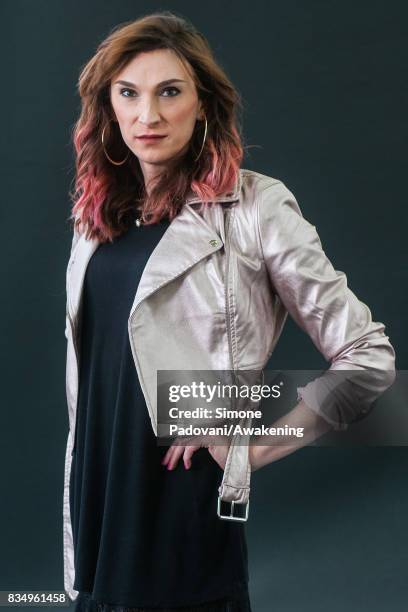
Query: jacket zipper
point(226, 286)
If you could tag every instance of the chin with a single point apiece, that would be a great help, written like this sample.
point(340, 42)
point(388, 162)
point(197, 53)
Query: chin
point(155, 159)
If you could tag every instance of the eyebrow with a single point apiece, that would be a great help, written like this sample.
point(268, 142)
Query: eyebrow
point(166, 82)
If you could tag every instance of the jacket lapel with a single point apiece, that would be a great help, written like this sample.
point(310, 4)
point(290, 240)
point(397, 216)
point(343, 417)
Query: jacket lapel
point(188, 239)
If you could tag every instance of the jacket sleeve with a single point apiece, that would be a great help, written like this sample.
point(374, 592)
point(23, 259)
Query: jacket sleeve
point(318, 299)
point(75, 237)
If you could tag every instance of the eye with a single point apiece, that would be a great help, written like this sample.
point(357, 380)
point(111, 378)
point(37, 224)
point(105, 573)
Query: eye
point(123, 90)
point(166, 89)
point(172, 88)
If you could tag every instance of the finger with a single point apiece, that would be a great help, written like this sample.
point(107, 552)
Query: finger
point(177, 452)
point(169, 452)
point(170, 455)
point(188, 453)
point(167, 455)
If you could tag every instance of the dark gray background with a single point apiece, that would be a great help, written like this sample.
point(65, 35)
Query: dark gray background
point(325, 94)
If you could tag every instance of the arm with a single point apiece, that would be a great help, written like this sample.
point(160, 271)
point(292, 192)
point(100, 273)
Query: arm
point(318, 299)
point(313, 426)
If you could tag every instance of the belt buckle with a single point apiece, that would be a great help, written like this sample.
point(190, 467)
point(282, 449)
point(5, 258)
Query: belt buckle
point(230, 516)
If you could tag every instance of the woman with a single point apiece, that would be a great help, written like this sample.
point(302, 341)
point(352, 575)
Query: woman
point(180, 260)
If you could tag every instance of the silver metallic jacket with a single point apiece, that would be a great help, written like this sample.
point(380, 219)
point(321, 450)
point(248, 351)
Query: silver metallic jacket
point(215, 294)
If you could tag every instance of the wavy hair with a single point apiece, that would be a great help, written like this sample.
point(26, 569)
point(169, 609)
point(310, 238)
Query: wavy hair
point(105, 196)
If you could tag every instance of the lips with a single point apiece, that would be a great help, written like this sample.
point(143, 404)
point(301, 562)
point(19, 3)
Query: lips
point(150, 136)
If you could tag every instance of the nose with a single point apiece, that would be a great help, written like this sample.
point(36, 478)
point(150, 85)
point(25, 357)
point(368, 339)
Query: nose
point(149, 113)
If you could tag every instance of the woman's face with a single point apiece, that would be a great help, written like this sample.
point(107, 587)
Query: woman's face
point(143, 104)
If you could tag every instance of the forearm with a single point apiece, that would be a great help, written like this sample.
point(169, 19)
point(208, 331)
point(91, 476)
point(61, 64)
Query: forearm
point(302, 416)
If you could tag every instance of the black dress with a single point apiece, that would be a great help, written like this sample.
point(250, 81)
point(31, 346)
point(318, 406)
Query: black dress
point(144, 537)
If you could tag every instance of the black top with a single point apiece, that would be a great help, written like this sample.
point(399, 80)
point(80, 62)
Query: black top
point(143, 535)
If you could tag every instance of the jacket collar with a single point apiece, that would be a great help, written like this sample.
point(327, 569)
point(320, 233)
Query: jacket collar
point(229, 196)
point(188, 239)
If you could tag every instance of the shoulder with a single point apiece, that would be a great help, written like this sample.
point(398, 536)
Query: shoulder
point(268, 215)
point(265, 198)
point(256, 180)
point(77, 231)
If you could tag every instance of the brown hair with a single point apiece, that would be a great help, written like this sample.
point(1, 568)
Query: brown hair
point(106, 196)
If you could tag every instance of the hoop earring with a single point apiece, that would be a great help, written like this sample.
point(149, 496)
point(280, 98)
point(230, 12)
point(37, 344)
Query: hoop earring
point(104, 150)
point(205, 135)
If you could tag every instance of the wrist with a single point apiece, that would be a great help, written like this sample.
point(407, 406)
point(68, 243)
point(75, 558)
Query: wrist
point(253, 453)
